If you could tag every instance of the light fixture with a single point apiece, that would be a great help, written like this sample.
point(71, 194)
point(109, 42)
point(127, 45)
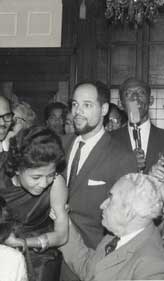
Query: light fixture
point(132, 12)
point(82, 11)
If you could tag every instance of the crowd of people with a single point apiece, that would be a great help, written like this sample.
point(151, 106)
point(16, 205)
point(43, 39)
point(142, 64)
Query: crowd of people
point(83, 192)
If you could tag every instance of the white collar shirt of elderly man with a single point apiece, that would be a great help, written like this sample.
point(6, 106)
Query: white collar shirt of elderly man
point(133, 202)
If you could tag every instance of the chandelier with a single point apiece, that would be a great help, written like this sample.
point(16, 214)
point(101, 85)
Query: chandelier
point(132, 12)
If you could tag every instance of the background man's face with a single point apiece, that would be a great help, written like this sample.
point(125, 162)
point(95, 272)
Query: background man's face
point(4, 125)
point(138, 95)
point(55, 121)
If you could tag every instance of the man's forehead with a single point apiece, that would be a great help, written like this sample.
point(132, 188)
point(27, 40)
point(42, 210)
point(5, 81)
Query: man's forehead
point(4, 105)
point(88, 91)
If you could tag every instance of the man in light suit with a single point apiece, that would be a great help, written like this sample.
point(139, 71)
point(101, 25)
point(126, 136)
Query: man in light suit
point(135, 200)
point(137, 93)
point(102, 162)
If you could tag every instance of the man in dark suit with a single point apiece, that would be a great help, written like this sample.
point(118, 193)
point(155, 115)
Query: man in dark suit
point(129, 214)
point(136, 98)
point(102, 161)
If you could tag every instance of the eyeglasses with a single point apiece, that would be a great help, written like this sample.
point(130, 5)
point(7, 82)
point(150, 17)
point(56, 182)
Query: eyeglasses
point(8, 117)
point(16, 119)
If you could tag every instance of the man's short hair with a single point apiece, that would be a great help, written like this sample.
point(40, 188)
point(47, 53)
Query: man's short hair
point(145, 196)
point(103, 91)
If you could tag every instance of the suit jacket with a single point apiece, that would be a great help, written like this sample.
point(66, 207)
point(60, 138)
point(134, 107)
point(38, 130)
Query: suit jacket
point(155, 143)
point(142, 258)
point(106, 163)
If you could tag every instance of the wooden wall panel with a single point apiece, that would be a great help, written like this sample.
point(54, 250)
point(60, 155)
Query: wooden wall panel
point(156, 65)
point(123, 63)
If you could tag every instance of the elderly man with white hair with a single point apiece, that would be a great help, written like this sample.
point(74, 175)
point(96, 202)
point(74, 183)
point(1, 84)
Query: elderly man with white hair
point(134, 201)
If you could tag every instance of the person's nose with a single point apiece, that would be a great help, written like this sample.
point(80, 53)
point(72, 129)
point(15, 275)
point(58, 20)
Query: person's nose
point(43, 182)
point(104, 204)
point(79, 109)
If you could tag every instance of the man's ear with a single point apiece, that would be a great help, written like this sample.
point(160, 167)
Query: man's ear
point(130, 213)
point(151, 100)
point(105, 108)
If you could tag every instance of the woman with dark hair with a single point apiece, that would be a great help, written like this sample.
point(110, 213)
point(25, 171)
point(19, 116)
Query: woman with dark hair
point(12, 262)
point(34, 189)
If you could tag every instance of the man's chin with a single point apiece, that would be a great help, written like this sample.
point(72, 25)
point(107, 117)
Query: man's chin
point(85, 130)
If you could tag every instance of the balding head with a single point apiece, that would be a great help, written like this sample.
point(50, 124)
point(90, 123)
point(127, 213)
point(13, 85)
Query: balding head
point(5, 117)
point(135, 201)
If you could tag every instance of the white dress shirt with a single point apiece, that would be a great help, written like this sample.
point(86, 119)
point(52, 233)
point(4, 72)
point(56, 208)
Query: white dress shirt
point(85, 150)
point(144, 132)
point(5, 145)
point(126, 238)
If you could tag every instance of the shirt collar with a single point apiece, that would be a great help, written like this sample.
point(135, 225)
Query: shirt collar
point(93, 139)
point(143, 126)
point(126, 238)
point(5, 145)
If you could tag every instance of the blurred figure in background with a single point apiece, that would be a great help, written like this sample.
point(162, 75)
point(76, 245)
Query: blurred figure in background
point(115, 119)
point(12, 262)
point(54, 117)
point(23, 117)
point(135, 96)
point(69, 126)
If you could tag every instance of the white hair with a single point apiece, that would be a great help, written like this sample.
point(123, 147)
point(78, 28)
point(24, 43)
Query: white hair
point(27, 113)
point(146, 197)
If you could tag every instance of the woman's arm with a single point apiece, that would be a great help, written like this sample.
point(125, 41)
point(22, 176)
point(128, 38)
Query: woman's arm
point(59, 214)
point(58, 200)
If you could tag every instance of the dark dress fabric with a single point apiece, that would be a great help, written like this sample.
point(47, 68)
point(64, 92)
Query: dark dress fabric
point(32, 219)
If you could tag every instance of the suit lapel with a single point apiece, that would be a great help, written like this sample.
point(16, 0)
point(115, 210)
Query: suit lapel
point(94, 156)
point(126, 138)
point(152, 143)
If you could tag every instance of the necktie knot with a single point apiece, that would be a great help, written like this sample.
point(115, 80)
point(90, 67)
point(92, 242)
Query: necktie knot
point(81, 144)
point(110, 247)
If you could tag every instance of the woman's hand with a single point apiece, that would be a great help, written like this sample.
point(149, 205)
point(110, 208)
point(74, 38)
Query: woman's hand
point(15, 242)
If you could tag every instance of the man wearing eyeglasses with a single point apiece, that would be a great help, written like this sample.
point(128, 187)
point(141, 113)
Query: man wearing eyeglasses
point(6, 120)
